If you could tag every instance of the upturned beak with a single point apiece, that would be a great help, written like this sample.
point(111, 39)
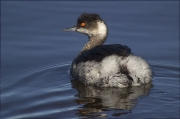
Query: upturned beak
point(74, 28)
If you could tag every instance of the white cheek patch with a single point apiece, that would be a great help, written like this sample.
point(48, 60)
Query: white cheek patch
point(100, 31)
point(83, 30)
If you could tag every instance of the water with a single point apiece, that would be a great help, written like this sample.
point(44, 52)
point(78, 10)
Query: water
point(36, 56)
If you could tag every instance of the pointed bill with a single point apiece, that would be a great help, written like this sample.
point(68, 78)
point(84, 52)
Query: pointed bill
point(70, 29)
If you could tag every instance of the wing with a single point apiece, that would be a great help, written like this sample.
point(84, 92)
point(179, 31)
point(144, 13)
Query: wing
point(99, 52)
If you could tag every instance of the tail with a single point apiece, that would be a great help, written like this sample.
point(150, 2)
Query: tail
point(139, 70)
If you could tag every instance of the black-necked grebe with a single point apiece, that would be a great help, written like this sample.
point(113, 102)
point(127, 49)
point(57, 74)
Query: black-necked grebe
point(106, 65)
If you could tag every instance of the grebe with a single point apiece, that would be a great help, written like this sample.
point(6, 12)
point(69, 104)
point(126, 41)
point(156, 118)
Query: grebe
point(106, 65)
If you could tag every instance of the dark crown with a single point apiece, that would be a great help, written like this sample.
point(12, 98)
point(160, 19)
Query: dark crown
point(86, 17)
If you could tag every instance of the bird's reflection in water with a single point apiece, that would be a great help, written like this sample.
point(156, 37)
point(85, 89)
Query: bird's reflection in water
point(95, 101)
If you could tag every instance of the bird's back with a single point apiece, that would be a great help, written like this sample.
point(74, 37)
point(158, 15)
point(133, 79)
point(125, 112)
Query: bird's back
point(99, 52)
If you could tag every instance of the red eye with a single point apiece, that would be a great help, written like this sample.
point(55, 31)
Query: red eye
point(82, 24)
